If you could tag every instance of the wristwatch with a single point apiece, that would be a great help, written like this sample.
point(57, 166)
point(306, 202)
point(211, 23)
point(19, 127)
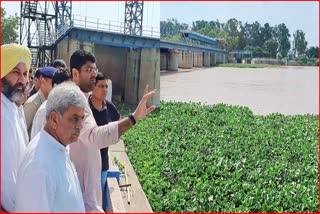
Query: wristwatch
point(131, 117)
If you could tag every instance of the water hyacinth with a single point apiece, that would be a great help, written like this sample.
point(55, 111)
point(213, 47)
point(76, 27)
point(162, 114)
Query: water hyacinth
point(193, 157)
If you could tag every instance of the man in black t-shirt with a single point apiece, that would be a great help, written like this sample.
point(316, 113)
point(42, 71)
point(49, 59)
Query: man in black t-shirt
point(103, 112)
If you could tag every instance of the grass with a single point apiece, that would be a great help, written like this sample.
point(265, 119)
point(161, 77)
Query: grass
point(239, 65)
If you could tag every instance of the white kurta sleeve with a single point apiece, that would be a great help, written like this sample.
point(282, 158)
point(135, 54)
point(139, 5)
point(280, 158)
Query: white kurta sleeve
point(98, 136)
point(8, 165)
point(35, 190)
point(38, 123)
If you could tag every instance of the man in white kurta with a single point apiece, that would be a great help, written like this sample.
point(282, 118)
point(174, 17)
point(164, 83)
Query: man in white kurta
point(47, 180)
point(15, 63)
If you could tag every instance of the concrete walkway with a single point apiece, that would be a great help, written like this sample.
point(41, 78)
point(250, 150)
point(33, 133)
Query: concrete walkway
point(138, 200)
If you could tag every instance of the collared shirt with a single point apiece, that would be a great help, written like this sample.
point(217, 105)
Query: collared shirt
point(85, 154)
point(14, 139)
point(32, 91)
point(31, 106)
point(39, 120)
point(47, 180)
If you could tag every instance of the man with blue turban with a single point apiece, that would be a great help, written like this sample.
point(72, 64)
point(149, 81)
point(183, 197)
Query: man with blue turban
point(15, 64)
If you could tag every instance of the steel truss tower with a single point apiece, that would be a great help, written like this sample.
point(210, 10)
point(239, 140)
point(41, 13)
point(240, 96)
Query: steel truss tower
point(133, 18)
point(41, 23)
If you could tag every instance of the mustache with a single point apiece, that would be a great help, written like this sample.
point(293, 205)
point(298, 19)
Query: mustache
point(19, 85)
point(12, 92)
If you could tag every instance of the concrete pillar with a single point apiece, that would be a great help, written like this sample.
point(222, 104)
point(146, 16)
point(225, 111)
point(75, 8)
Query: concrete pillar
point(200, 60)
point(215, 58)
point(197, 59)
point(109, 93)
point(132, 76)
point(185, 59)
point(206, 59)
point(112, 61)
point(65, 49)
point(163, 61)
point(173, 60)
point(224, 57)
point(219, 58)
point(211, 59)
point(88, 46)
point(143, 67)
point(149, 73)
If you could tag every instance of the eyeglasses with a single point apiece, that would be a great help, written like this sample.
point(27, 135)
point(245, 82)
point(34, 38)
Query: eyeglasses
point(91, 70)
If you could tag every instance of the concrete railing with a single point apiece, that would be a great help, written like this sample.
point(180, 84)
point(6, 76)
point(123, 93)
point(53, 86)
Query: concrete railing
point(117, 199)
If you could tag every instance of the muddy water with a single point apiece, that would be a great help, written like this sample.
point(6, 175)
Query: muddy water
point(287, 90)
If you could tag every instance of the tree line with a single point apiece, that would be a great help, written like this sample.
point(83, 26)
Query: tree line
point(263, 40)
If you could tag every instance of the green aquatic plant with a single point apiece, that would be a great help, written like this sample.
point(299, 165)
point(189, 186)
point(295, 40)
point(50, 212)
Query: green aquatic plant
point(220, 158)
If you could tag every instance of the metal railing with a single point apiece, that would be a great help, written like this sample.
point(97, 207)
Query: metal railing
point(104, 25)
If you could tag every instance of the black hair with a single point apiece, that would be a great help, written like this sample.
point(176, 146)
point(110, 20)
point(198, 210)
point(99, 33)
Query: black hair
point(30, 73)
point(79, 58)
point(37, 73)
point(59, 63)
point(60, 76)
point(101, 76)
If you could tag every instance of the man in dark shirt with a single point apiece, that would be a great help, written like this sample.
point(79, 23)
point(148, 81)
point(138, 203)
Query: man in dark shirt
point(103, 112)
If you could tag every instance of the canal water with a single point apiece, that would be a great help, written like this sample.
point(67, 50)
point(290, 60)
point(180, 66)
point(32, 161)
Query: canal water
point(288, 90)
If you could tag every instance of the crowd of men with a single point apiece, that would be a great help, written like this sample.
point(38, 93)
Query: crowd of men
point(56, 128)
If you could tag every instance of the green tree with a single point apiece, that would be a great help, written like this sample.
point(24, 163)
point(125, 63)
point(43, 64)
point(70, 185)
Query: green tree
point(256, 36)
point(242, 38)
point(313, 52)
point(198, 25)
point(215, 25)
point(9, 27)
point(253, 34)
point(171, 27)
point(299, 43)
point(282, 36)
point(266, 32)
point(233, 27)
point(271, 45)
point(234, 39)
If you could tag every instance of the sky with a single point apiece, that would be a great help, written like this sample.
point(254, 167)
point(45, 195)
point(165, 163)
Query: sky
point(111, 11)
point(296, 15)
